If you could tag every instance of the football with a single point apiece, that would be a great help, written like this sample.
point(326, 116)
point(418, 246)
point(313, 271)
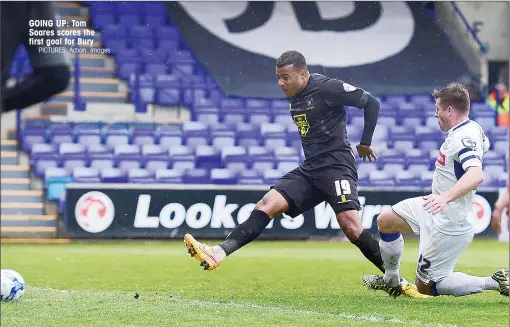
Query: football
point(13, 285)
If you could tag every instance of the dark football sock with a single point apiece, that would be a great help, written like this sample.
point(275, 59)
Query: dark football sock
point(245, 232)
point(369, 246)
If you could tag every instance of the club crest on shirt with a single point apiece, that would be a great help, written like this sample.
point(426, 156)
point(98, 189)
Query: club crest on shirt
point(309, 100)
point(302, 124)
point(309, 103)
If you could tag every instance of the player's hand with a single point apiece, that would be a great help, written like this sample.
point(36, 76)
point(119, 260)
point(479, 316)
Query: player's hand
point(497, 215)
point(496, 220)
point(366, 151)
point(435, 203)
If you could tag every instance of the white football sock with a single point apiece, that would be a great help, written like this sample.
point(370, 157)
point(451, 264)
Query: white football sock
point(460, 284)
point(391, 253)
point(218, 252)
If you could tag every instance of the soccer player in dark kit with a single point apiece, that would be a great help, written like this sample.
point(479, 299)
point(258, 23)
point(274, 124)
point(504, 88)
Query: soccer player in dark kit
point(317, 105)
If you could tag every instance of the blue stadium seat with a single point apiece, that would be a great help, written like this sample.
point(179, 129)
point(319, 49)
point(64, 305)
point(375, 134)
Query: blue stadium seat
point(223, 176)
point(235, 158)
point(85, 175)
point(196, 176)
point(262, 161)
point(42, 163)
point(167, 33)
point(141, 31)
point(207, 157)
point(101, 160)
point(72, 160)
point(114, 32)
point(113, 175)
point(156, 20)
point(60, 135)
point(380, 178)
point(171, 176)
point(407, 179)
point(168, 96)
point(141, 176)
point(167, 81)
point(270, 176)
point(250, 177)
point(142, 136)
point(102, 20)
point(222, 139)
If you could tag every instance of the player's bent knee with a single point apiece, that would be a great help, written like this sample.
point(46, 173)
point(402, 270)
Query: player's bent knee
point(273, 204)
point(386, 221)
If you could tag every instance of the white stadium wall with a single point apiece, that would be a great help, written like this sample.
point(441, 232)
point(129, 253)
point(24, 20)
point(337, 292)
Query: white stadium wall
point(496, 25)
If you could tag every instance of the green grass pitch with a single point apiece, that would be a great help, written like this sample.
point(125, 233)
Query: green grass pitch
point(263, 284)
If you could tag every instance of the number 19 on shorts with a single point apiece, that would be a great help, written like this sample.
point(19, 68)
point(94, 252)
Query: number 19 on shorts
point(343, 188)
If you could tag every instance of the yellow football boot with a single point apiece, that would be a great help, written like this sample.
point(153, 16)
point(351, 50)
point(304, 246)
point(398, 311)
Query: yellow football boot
point(375, 282)
point(201, 252)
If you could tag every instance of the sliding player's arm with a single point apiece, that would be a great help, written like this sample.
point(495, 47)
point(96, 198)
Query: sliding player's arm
point(467, 183)
point(339, 93)
point(466, 160)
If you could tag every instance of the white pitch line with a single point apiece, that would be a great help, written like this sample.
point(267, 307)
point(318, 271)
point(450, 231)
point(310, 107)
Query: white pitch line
point(229, 305)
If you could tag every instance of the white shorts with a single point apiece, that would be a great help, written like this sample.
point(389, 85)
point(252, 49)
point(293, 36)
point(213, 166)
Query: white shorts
point(438, 252)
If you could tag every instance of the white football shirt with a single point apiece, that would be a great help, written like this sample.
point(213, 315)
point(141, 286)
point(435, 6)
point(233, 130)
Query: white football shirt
point(464, 147)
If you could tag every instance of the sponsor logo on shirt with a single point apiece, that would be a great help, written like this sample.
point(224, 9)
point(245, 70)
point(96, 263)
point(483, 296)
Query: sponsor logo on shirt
point(302, 124)
point(441, 159)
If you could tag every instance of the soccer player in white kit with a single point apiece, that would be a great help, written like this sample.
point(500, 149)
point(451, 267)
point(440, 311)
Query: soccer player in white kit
point(441, 219)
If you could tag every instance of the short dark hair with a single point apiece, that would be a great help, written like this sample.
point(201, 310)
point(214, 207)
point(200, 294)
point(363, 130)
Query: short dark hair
point(291, 57)
point(454, 95)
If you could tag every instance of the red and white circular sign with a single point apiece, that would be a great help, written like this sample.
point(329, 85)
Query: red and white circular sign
point(94, 212)
point(482, 214)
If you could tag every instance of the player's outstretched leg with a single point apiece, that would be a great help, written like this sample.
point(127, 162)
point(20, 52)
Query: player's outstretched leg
point(210, 257)
point(461, 284)
point(456, 284)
